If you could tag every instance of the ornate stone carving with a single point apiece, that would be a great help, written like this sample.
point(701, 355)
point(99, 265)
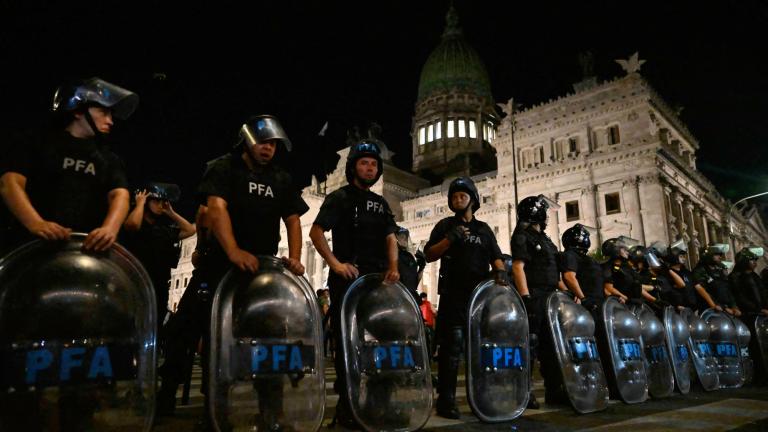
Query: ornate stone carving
point(632, 64)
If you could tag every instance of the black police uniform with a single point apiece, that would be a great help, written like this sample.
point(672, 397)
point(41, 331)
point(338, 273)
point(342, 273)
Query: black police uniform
point(462, 267)
point(68, 181)
point(685, 297)
point(538, 253)
point(156, 245)
point(751, 296)
point(359, 221)
point(715, 281)
point(589, 274)
point(256, 201)
point(409, 272)
point(624, 278)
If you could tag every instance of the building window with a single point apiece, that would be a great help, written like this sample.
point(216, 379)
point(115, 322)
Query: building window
point(177, 283)
point(430, 133)
point(450, 132)
point(422, 135)
point(472, 129)
point(487, 199)
point(573, 145)
point(462, 128)
point(572, 211)
point(612, 203)
point(439, 130)
point(186, 282)
point(613, 135)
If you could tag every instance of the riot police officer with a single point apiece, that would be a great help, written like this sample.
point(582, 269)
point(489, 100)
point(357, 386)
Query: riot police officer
point(752, 299)
point(466, 248)
point(408, 266)
point(67, 180)
point(535, 272)
point(581, 273)
point(674, 284)
point(363, 230)
point(748, 290)
point(651, 273)
point(151, 232)
point(246, 195)
point(711, 281)
point(620, 278)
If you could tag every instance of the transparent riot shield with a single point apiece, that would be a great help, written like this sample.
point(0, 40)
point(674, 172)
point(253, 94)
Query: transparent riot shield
point(77, 339)
point(498, 374)
point(573, 332)
point(385, 351)
point(626, 367)
point(744, 337)
point(266, 368)
point(677, 336)
point(658, 368)
point(724, 343)
point(761, 334)
point(702, 357)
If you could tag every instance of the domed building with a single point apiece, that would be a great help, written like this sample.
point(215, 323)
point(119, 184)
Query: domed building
point(455, 117)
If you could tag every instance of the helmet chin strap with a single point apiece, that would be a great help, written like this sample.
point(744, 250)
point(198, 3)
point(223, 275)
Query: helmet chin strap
point(96, 132)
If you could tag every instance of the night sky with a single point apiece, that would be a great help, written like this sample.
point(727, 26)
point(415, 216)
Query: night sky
point(201, 68)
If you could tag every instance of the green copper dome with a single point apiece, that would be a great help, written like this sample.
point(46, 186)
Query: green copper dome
point(454, 64)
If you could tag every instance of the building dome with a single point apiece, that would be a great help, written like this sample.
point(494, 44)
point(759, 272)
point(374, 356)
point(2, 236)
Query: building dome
point(454, 64)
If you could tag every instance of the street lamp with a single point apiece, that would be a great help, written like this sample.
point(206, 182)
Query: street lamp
point(730, 210)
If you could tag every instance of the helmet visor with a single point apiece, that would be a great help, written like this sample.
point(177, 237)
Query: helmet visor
point(757, 251)
point(552, 205)
point(652, 260)
point(122, 102)
point(679, 245)
point(719, 249)
point(262, 129)
point(164, 191)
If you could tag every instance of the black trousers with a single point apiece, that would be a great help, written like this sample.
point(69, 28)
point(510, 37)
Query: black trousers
point(542, 347)
point(338, 287)
point(451, 340)
point(190, 323)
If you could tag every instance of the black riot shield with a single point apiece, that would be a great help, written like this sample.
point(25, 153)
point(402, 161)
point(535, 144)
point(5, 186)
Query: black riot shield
point(702, 357)
point(266, 369)
point(677, 337)
point(498, 375)
point(573, 332)
point(77, 339)
point(724, 343)
point(744, 337)
point(385, 351)
point(761, 334)
point(658, 368)
point(621, 333)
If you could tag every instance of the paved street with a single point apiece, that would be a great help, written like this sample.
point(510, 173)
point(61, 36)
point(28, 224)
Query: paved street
point(741, 410)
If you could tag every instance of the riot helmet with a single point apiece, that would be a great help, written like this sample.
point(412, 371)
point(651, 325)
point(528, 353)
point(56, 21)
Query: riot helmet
point(163, 191)
point(80, 95)
point(613, 247)
point(748, 255)
point(533, 209)
point(403, 237)
point(709, 252)
point(464, 184)
point(577, 237)
point(637, 254)
point(365, 148)
point(262, 128)
point(676, 253)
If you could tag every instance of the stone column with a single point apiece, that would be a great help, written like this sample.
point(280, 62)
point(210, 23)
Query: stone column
point(671, 220)
point(694, 243)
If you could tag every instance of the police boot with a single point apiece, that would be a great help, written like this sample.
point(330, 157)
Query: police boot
point(556, 397)
point(165, 403)
point(344, 417)
point(532, 402)
point(446, 407)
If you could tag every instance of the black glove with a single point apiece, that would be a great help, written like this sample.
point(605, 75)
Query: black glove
point(455, 234)
point(500, 277)
point(528, 302)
